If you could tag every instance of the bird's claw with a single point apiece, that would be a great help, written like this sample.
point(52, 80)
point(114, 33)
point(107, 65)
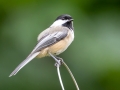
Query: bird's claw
point(59, 61)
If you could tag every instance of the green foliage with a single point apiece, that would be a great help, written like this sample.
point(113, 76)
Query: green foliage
point(93, 57)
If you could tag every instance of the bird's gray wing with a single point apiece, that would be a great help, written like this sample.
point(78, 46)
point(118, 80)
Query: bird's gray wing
point(50, 39)
point(46, 41)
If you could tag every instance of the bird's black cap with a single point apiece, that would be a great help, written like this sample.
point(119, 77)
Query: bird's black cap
point(64, 17)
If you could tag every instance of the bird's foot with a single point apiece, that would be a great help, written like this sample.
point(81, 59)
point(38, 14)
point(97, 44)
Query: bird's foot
point(59, 61)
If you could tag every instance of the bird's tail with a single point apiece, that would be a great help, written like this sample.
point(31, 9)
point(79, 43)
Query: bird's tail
point(22, 64)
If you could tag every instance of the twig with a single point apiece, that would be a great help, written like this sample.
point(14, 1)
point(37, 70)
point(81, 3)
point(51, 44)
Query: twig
point(57, 64)
point(60, 79)
point(71, 75)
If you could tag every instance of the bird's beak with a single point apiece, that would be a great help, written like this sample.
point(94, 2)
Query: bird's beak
point(71, 19)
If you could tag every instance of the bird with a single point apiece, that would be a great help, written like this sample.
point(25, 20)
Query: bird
point(51, 41)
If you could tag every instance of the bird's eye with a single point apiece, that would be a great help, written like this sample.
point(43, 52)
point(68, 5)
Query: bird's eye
point(63, 18)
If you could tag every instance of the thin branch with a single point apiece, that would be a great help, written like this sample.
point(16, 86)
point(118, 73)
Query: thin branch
point(58, 64)
point(60, 79)
point(71, 75)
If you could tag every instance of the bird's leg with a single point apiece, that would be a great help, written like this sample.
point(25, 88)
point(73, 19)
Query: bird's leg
point(58, 60)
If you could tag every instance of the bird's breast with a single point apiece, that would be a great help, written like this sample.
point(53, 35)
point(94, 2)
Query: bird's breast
point(63, 44)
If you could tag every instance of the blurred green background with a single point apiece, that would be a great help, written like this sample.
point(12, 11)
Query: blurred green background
point(93, 57)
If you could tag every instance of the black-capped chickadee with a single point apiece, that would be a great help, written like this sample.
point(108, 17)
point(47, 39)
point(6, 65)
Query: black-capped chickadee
point(52, 41)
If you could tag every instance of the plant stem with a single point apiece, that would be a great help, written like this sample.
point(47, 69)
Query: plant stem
point(71, 75)
point(60, 79)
